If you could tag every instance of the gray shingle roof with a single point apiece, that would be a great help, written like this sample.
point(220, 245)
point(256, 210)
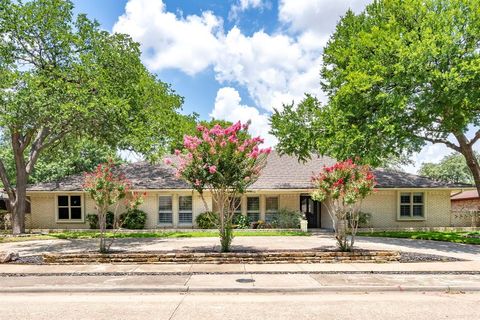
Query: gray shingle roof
point(281, 172)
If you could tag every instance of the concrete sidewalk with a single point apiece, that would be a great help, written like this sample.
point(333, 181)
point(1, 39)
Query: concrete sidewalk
point(419, 267)
point(242, 282)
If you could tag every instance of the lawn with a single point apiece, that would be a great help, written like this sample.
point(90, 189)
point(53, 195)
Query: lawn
point(457, 237)
point(160, 234)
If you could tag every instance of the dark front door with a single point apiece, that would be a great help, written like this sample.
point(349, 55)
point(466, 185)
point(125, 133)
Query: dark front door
point(311, 210)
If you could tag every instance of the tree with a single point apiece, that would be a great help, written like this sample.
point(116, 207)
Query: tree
point(224, 161)
point(67, 158)
point(398, 75)
point(451, 168)
point(342, 188)
point(62, 79)
point(107, 188)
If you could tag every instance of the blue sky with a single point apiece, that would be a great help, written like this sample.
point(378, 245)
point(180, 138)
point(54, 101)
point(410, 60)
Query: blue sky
point(237, 59)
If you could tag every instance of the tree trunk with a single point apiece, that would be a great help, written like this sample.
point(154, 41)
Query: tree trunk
point(19, 203)
point(472, 162)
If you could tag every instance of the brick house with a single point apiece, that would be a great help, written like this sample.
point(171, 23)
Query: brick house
point(401, 200)
point(467, 206)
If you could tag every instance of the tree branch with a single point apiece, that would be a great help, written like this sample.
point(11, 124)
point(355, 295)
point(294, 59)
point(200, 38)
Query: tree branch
point(6, 183)
point(37, 146)
point(475, 138)
point(445, 142)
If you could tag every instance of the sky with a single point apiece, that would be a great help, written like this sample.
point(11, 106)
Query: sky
point(237, 59)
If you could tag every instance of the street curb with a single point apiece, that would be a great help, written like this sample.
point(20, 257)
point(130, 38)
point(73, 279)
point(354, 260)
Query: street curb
point(184, 289)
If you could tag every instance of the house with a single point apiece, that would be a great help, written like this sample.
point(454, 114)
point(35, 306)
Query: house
point(466, 200)
point(466, 206)
point(401, 200)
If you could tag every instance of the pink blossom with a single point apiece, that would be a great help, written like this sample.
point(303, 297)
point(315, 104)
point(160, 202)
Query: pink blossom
point(223, 144)
point(267, 150)
point(212, 169)
point(197, 182)
point(167, 161)
point(232, 138)
point(200, 128)
point(177, 152)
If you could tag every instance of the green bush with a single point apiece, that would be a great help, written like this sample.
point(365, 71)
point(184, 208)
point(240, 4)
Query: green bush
point(207, 220)
point(133, 219)
point(241, 221)
point(260, 224)
point(363, 219)
point(92, 219)
point(287, 219)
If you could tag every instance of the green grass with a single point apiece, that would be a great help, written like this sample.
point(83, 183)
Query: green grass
point(173, 234)
point(457, 237)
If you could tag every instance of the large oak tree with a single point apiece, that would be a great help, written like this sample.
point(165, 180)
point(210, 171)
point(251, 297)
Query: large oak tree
point(61, 79)
point(398, 75)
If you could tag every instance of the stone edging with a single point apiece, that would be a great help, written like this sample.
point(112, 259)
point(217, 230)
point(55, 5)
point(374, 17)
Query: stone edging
point(222, 258)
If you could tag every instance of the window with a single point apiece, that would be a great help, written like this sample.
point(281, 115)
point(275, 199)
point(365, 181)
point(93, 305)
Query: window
point(253, 209)
point(165, 211)
point(185, 209)
point(271, 208)
point(412, 205)
point(69, 208)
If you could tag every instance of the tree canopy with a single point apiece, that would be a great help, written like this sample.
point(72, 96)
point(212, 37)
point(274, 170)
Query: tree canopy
point(398, 75)
point(452, 168)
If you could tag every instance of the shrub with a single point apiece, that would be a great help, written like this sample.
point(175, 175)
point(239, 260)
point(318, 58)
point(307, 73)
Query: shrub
point(92, 219)
point(287, 219)
point(207, 220)
point(241, 222)
point(260, 224)
point(133, 219)
point(363, 218)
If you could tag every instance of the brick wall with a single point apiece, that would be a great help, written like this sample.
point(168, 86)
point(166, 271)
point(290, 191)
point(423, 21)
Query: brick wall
point(470, 220)
point(383, 206)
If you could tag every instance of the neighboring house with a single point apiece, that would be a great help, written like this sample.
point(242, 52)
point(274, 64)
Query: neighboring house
point(466, 206)
point(401, 200)
point(468, 200)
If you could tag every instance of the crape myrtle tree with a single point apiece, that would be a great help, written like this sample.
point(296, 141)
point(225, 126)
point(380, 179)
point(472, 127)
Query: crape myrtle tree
point(62, 78)
point(342, 188)
point(109, 188)
point(224, 161)
point(397, 76)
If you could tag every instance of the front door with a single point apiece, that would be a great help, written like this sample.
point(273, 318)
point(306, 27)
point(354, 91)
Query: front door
point(311, 209)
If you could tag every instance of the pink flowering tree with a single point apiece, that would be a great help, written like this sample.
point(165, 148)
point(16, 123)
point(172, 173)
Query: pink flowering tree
point(109, 189)
point(342, 188)
point(224, 161)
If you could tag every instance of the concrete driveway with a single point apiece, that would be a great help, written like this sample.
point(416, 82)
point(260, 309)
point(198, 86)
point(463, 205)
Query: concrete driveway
point(318, 241)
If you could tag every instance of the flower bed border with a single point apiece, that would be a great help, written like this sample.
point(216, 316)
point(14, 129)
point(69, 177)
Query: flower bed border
point(182, 257)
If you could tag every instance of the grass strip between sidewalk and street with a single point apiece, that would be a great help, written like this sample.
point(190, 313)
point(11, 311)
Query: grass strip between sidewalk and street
point(448, 236)
point(159, 234)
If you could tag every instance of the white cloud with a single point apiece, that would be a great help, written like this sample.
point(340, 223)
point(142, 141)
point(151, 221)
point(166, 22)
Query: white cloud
point(228, 107)
point(275, 69)
point(242, 5)
point(168, 41)
point(319, 16)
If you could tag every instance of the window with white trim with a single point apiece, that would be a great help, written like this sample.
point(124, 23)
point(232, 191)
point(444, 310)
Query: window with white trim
point(412, 205)
point(253, 209)
point(69, 208)
point(185, 209)
point(165, 210)
point(271, 208)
